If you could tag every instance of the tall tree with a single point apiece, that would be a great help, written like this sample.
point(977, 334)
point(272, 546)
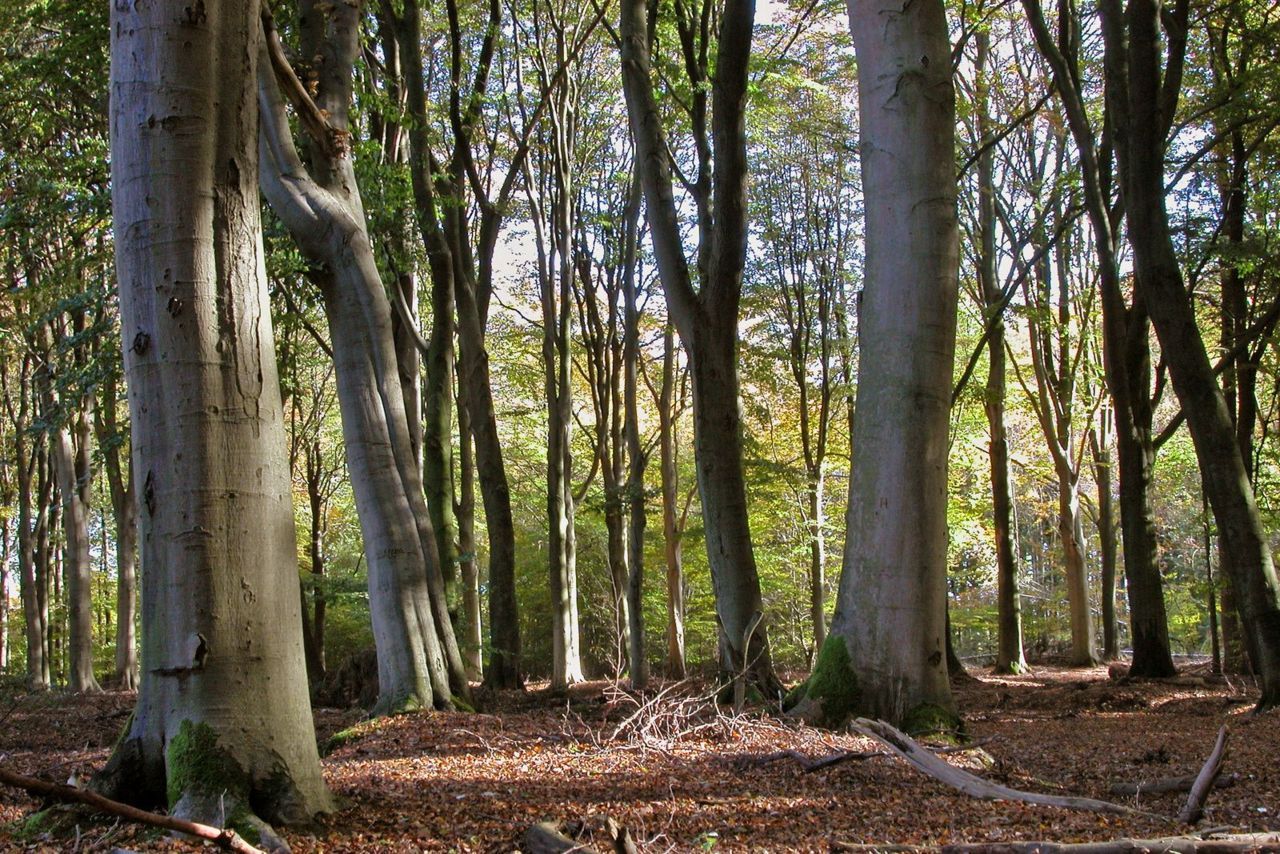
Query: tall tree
point(885, 654)
point(707, 316)
point(419, 663)
point(222, 732)
point(1126, 348)
point(1144, 65)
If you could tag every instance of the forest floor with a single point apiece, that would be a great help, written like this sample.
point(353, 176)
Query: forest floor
point(678, 775)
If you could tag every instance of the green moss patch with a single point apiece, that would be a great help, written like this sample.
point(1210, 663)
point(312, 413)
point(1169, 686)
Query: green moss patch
point(934, 720)
point(350, 735)
point(831, 693)
point(194, 762)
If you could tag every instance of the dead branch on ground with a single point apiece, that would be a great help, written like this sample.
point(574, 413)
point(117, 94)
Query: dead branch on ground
point(927, 763)
point(1194, 808)
point(224, 838)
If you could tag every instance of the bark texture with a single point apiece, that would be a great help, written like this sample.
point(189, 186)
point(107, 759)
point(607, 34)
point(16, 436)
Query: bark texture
point(888, 633)
point(222, 727)
point(419, 663)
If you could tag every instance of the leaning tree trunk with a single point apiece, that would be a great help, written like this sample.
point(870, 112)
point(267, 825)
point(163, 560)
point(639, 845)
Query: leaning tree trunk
point(1141, 150)
point(222, 732)
point(419, 663)
point(885, 655)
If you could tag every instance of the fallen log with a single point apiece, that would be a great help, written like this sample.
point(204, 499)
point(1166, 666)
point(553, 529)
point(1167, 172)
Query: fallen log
point(223, 837)
point(1194, 808)
point(927, 763)
point(1164, 785)
point(1231, 844)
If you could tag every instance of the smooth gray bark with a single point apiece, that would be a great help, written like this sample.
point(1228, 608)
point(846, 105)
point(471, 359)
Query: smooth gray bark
point(419, 663)
point(890, 617)
point(222, 732)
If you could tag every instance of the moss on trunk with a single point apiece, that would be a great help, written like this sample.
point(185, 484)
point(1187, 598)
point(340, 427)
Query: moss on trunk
point(830, 695)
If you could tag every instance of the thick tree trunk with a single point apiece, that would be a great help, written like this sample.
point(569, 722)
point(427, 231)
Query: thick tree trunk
point(1141, 148)
point(419, 662)
point(222, 732)
point(893, 667)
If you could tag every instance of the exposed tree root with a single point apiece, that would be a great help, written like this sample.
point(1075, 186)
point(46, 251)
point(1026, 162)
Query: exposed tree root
point(224, 838)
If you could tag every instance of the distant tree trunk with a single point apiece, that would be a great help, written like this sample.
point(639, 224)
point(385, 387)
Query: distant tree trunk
point(637, 459)
point(222, 732)
point(32, 504)
point(894, 667)
point(71, 463)
point(672, 517)
point(124, 508)
point(1100, 450)
point(1009, 652)
point(418, 659)
point(315, 546)
point(465, 512)
point(1145, 105)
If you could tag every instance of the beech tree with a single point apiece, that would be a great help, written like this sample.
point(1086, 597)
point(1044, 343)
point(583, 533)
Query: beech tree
point(222, 732)
point(885, 654)
point(1144, 64)
point(419, 663)
point(706, 316)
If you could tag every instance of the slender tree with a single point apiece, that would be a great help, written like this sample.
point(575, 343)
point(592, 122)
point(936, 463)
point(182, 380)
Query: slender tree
point(707, 316)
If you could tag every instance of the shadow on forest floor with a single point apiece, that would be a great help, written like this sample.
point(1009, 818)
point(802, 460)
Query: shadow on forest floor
point(680, 776)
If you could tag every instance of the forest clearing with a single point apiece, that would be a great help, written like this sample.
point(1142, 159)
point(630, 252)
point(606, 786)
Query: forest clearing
point(678, 776)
